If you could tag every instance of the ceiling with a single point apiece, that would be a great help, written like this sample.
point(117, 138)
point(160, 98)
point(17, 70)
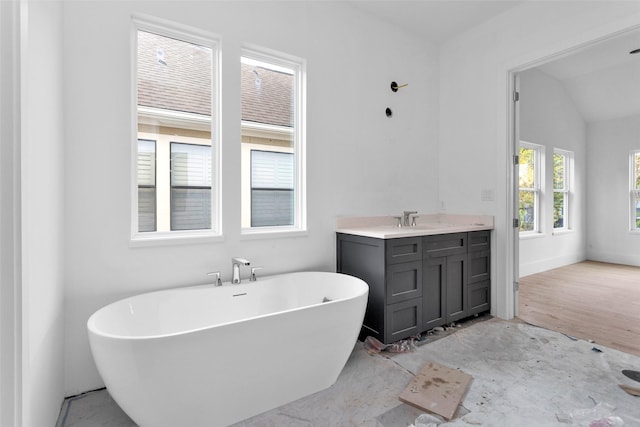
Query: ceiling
point(435, 20)
point(603, 79)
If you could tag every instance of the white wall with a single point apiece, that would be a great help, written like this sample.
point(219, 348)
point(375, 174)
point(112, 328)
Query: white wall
point(10, 280)
point(359, 161)
point(474, 94)
point(549, 117)
point(42, 228)
point(608, 147)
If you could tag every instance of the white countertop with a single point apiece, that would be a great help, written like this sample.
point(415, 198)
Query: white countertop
point(385, 227)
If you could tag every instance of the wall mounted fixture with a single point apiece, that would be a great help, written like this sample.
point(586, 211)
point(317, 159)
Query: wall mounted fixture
point(395, 86)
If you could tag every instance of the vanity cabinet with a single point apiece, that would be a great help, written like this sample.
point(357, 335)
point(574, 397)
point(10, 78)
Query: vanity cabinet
point(418, 283)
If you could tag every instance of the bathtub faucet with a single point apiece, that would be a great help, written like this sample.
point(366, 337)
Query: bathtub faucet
point(237, 262)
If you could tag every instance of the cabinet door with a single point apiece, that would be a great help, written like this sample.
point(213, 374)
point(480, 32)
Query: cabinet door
point(404, 281)
point(434, 274)
point(456, 287)
point(403, 320)
point(479, 297)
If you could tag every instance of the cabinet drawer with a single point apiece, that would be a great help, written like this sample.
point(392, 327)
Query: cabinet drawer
point(403, 250)
point(404, 319)
point(404, 281)
point(445, 244)
point(479, 295)
point(479, 241)
point(479, 266)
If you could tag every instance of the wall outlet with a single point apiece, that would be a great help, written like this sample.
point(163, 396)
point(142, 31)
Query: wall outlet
point(487, 195)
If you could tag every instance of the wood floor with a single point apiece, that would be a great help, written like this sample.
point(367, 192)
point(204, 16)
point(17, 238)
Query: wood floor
point(588, 300)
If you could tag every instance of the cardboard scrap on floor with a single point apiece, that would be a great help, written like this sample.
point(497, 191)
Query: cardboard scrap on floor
point(438, 389)
point(633, 391)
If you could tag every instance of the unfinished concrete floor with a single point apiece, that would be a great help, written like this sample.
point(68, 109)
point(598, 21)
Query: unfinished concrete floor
point(522, 376)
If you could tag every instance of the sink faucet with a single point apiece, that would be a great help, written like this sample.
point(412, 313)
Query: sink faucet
point(406, 215)
point(237, 262)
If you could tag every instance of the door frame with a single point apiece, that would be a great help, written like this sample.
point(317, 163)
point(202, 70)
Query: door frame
point(512, 144)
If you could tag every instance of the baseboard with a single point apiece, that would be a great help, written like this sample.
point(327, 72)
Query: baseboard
point(550, 263)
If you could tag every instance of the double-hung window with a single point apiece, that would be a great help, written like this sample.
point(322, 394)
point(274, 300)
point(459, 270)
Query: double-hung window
point(530, 182)
point(176, 100)
point(561, 185)
point(272, 147)
point(634, 174)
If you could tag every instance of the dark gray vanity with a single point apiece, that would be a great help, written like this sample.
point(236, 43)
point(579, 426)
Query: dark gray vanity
point(417, 283)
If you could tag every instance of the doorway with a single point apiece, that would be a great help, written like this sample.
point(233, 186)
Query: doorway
point(572, 103)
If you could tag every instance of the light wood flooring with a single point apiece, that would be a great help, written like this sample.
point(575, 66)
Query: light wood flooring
point(588, 300)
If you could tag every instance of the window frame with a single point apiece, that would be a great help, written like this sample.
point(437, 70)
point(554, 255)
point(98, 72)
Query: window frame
point(153, 186)
point(634, 191)
point(202, 38)
point(298, 65)
point(566, 190)
point(537, 189)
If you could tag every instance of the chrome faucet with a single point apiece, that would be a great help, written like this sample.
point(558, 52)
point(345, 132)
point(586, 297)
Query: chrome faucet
point(217, 280)
point(406, 218)
point(253, 277)
point(237, 262)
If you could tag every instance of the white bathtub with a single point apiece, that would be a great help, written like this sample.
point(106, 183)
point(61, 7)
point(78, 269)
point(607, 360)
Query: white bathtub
point(213, 356)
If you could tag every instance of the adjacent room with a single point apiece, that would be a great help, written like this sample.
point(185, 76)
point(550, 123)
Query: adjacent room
point(178, 145)
point(578, 121)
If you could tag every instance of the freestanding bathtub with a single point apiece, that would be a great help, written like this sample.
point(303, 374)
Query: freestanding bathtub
point(215, 355)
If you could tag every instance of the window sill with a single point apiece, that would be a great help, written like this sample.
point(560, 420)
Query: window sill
point(534, 235)
point(562, 232)
point(174, 238)
point(271, 233)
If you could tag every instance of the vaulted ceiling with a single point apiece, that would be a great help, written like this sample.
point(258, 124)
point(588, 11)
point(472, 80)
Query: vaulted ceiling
point(603, 79)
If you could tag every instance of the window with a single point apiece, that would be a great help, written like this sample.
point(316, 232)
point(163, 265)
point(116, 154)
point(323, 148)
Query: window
point(177, 127)
point(146, 185)
point(190, 186)
point(271, 188)
point(561, 182)
point(272, 176)
point(635, 190)
point(530, 167)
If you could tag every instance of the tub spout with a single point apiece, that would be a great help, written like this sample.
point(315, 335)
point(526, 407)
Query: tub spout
point(237, 262)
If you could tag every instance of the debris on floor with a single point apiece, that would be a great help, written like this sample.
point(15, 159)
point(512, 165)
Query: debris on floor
point(634, 375)
point(374, 346)
point(601, 415)
point(633, 391)
point(437, 389)
point(426, 420)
